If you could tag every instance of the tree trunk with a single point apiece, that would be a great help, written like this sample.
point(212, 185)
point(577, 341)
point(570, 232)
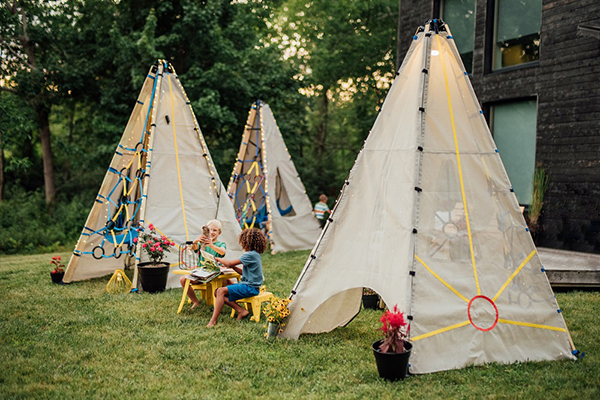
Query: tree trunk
point(1, 169)
point(321, 135)
point(43, 114)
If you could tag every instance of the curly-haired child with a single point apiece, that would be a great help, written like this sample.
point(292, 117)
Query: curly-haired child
point(254, 243)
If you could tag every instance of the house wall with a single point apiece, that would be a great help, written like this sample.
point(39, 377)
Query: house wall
point(566, 83)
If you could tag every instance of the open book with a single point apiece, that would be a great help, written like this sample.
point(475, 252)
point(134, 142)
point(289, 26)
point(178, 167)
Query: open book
point(208, 268)
point(202, 275)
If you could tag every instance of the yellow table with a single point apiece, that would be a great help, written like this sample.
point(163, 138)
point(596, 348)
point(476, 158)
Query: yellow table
point(208, 294)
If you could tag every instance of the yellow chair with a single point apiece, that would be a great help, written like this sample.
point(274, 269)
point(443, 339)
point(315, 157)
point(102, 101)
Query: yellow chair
point(255, 302)
point(206, 289)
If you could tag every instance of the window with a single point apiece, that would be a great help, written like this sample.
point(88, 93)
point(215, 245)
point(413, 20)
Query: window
point(514, 130)
point(460, 17)
point(517, 32)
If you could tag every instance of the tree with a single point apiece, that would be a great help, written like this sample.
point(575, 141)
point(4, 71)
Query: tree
point(31, 68)
point(344, 50)
point(15, 129)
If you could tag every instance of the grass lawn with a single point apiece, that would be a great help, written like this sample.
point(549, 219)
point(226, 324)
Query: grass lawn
point(78, 341)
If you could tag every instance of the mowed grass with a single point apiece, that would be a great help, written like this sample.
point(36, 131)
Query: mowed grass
point(78, 341)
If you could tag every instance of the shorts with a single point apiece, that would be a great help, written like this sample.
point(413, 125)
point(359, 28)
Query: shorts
point(241, 291)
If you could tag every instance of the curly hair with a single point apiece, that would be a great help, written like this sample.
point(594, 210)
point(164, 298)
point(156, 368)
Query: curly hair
point(253, 239)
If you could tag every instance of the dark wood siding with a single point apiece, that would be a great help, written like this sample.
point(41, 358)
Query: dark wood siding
point(566, 82)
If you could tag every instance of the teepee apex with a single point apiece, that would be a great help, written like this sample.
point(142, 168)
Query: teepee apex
point(265, 187)
point(161, 174)
point(428, 219)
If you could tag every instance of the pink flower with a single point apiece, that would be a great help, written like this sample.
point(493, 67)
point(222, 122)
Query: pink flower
point(159, 248)
point(135, 240)
point(145, 245)
point(151, 227)
point(172, 243)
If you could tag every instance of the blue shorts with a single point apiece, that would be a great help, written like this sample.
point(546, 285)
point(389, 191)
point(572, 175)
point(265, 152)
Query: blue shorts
point(241, 291)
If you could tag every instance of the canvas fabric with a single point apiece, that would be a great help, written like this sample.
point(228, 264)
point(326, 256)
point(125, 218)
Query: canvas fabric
point(428, 219)
point(279, 185)
point(181, 192)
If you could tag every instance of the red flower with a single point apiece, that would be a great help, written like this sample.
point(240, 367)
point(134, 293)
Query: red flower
point(395, 329)
point(135, 240)
point(151, 227)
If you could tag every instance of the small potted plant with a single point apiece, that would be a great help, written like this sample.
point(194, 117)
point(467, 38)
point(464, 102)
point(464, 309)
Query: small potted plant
point(154, 273)
point(58, 272)
point(276, 310)
point(370, 299)
point(393, 351)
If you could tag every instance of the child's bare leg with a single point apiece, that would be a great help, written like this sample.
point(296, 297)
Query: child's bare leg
point(229, 282)
point(241, 311)
point(191, 293)
point(220, 294)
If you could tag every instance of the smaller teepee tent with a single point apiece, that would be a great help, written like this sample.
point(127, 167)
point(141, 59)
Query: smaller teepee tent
point(161, 174)
point(429, 220)
point(265, 187)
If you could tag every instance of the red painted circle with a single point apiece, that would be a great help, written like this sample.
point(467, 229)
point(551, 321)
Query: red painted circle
point(495, 309)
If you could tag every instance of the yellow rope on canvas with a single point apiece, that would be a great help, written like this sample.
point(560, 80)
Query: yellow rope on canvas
point(441, 280)
point(513, 275)
point(177, 161)
point(460, 176)
point(552, 328)
point(446, 329)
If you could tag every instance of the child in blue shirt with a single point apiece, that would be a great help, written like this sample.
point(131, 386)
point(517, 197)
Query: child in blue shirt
point(254, 243)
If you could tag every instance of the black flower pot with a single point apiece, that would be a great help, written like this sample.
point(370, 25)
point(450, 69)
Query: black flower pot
point(57, 277)
point(370, 301)
point(153, 276)
point(392, 366)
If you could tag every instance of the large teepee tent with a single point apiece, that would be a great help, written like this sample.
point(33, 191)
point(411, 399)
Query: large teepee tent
point(265, 188)
point(428, 219)
point(160, 174)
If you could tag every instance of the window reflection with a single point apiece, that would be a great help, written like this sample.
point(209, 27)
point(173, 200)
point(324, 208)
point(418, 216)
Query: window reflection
point(517, 32)
point(460, 17)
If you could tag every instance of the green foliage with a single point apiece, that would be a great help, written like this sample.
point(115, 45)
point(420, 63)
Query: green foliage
point(344, 52)
point(325, 86)
point(78, 341)
point(540, 186)
point(28, 227)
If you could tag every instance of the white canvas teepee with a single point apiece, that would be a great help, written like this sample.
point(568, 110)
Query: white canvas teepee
point(428, 219)
point(265, 187)
point(161, 174)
